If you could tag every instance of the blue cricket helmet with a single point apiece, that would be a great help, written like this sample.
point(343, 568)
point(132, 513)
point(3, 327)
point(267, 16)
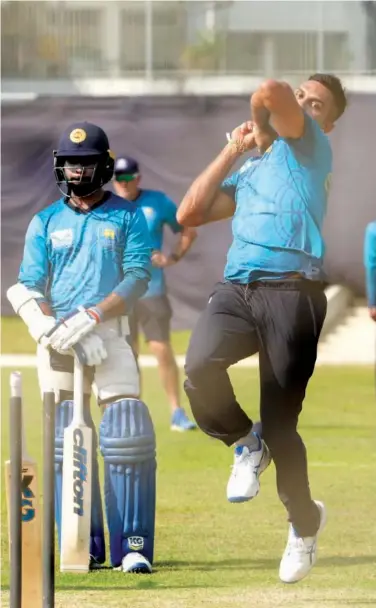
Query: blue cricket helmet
point(87, 145)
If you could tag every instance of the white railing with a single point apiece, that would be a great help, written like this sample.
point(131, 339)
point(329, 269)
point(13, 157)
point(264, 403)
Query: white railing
point(73, 39)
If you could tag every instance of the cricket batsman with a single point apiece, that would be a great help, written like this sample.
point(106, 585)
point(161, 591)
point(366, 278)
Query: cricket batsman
point(272, 299)
point(86, 262)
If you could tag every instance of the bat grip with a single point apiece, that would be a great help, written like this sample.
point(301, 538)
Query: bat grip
point(78, 389)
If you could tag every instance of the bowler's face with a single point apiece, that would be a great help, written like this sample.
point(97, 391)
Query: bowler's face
point(317, 101)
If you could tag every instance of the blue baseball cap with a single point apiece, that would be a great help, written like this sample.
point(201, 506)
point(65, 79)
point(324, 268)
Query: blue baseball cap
point(125, 165)
point(83, 139)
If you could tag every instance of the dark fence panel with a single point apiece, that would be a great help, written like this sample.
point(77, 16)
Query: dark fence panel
point(174, 139)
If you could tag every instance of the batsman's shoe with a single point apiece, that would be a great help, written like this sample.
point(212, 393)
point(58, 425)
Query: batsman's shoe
point(135, 563)
point(180, 421)
point(248, 465)
point(301, 553)
point(94, 564)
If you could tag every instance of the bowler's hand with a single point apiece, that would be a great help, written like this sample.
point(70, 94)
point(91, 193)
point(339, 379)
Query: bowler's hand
point(243, 136)
point(372, 313)
point(264, 137)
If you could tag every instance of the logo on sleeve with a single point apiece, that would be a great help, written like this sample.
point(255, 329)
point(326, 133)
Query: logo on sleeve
point(62, 238)
point(248, 164)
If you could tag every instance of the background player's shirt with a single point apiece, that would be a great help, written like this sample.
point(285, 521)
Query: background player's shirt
point(159, 211)
point(370, 263)
point(281, 200)
point(77, 259)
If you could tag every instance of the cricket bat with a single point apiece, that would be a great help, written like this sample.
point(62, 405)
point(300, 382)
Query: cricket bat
point(76, 494)
point(31, 524)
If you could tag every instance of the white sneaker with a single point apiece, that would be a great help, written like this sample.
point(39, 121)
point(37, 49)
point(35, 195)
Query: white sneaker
point(248, 465)
point(301, 553)
point(136, 563)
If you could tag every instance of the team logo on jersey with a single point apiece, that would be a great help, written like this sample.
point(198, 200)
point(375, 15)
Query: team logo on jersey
point(62, 238)
point(109, 233)
point(77, 136)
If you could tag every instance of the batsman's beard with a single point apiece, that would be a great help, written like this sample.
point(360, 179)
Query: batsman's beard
point(84, 189)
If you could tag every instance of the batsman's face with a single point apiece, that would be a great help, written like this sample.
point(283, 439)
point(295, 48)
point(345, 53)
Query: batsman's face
point(317, 101)
point(77, 170)
point(127, 186)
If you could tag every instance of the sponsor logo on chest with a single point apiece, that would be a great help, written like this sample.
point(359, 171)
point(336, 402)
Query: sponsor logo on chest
point(62, 238)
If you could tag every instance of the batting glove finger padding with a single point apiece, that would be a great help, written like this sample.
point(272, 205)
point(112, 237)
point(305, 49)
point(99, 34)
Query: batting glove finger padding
point(70, 330)
point(90, 350)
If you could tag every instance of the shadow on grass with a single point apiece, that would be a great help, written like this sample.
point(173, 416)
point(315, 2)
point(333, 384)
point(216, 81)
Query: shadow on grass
point(262, 564)
point(145, 582)
point(141, 585)
point(343, 560)
point(358, 602)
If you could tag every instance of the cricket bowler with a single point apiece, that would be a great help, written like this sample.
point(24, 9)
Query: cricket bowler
point(152, 312)
point(272, 299)
point(86, 262)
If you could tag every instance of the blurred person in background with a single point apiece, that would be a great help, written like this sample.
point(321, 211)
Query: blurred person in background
point(370, 267)
point(272, 300)
point(153, 311)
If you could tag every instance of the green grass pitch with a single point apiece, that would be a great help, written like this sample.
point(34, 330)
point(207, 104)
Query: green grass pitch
point(15, 339)
point(210, 553)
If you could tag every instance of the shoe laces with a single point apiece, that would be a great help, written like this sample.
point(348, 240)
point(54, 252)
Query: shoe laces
point(298, 544)
point(242, 461)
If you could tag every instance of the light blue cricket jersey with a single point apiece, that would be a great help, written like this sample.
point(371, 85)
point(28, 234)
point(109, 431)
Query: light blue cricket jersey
point(281, 200)
point(159, 211)
point(370, 263)
point(75, 258)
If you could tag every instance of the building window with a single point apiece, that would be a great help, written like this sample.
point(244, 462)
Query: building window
point(243, 52)
point(169, 35)
point(132, 37)
point(336, 51)
point(294, 51)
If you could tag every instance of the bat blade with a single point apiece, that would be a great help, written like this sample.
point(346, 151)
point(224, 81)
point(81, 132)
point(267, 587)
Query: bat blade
point(31, 533)
point(76, 499)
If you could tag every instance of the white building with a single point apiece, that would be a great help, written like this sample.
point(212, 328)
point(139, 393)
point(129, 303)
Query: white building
point(153, 40)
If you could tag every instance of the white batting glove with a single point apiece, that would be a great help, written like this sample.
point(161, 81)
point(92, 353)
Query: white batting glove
point(40, 326)
point(90, 350)
point(70, 330)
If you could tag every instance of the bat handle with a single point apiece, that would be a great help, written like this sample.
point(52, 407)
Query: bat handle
point(78, 389)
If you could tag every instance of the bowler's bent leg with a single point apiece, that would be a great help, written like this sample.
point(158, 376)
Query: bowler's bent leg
point(223, 335)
